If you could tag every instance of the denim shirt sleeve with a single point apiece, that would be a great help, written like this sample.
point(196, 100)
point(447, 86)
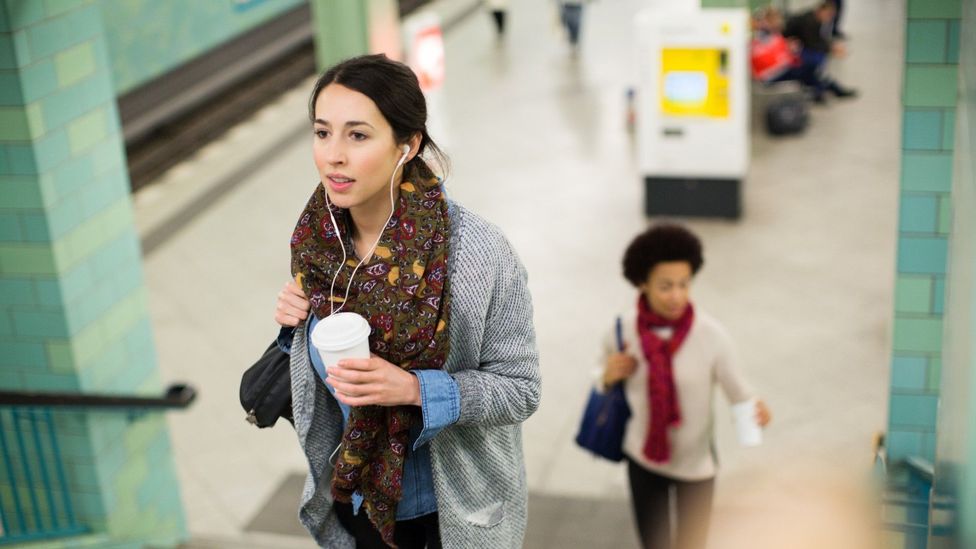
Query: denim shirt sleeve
point(284, 339)
point(440, 403)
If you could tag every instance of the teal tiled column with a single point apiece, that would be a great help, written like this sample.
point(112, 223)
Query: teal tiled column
point(340, 30)
point(929, 110)
point(73, 313)
point(347, 29)
point(955, 467)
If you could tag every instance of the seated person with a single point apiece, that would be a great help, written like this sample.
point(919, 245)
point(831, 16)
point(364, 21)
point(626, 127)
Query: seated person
point(770, 53)
point(812, 32)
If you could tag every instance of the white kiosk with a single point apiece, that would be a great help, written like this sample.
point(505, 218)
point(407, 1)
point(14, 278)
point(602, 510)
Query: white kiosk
point(693, 109)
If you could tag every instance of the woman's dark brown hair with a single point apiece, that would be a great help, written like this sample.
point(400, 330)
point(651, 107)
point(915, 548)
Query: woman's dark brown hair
point(394, 88)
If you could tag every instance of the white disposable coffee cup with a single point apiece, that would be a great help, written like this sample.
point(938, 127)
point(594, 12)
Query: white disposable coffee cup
point(342, 335)
point(746, 426)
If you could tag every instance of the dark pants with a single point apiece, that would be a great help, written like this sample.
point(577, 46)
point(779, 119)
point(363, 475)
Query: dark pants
point(415, 533)
point(652, 496)
point(499, 18)
point(572, 16)
point(807, 75)
point(810, 73)
point(836, 22)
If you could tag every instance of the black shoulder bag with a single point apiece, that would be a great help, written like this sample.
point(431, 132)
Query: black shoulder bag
point(266, 388)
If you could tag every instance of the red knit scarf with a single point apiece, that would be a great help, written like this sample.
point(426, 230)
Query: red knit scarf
point(661, 393)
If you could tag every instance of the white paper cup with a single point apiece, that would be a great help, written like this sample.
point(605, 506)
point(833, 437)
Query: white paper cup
point(342, 335)
point(746, 426)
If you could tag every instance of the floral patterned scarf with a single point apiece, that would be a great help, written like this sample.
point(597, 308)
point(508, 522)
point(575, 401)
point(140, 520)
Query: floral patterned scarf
point(404, 294)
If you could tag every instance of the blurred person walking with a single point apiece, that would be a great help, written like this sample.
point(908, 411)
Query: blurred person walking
point(419, 445)
point(571, 16)
point(673, 355)
point(499, 10)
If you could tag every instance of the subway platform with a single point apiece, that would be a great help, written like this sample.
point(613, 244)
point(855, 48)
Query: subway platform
point(539, 146)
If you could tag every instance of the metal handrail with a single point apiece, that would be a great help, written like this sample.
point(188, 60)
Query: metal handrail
point(921, 467)
point(177, 396)
point(35, 492)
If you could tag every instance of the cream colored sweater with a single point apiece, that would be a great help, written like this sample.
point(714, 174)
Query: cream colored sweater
point(705, 359)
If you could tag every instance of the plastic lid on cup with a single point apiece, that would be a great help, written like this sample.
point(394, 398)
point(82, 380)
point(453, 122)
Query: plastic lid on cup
point(340, 331)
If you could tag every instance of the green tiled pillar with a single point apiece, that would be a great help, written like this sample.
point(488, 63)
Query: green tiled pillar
point(346, 29)
point(73, 314)
point(929, 110)
point(340, 30)
point(955, 467)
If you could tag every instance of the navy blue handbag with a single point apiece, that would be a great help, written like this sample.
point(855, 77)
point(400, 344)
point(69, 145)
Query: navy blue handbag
point(605, 418)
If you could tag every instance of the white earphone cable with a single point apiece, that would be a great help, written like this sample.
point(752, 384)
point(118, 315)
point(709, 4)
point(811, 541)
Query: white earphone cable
point(367, 255)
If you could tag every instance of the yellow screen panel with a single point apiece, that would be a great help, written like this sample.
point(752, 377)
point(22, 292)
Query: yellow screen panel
point(695, 82)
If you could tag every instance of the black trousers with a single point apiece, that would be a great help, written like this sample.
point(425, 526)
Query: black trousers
point(840, 11)
point(415, 533)
point(499, 17)
point(652, 496)
point(572, 17)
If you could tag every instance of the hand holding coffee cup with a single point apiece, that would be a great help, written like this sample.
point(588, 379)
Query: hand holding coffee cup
point(373, 381)
point(763, 415)
point(750, 417)
point(358, 377)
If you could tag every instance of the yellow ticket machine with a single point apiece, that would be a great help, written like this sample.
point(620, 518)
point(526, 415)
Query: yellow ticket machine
point(692, 110)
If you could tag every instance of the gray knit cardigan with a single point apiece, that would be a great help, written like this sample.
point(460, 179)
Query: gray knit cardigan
point(478, 468)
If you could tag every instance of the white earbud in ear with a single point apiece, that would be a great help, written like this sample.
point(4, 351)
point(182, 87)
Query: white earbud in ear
point(405, 149)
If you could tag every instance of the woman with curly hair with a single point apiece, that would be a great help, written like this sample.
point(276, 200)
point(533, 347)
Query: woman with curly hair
point(420, 444)
point(673, 356)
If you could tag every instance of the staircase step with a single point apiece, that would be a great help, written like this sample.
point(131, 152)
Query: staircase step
point(250, 540)
point(73, 542)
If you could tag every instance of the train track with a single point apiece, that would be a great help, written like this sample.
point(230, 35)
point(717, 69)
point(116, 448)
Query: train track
point(174, 141)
